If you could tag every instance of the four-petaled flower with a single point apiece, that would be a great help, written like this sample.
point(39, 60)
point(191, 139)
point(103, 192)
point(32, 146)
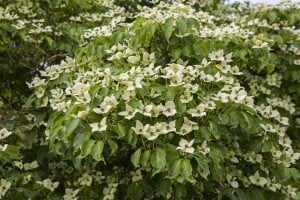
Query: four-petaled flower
point(99, 126)
point(169, 109)
point(186, 146)
point(129, 113)
point(4, 133)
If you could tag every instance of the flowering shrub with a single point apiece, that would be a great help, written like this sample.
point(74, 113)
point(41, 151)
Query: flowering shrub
point(180, 103)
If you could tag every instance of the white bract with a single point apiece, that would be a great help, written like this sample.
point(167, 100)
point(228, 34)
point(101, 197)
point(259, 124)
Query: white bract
point(186, 146)
point(98, 127)
point(4, 133)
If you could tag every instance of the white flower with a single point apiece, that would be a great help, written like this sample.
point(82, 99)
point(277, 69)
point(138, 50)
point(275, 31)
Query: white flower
point(128, 94)
point(106, 105)
point(4, 133)
point(139, 128)
point(47, 183)
point(3, 147)
point(70, 194)
point(199, 111)
point(256, 179)
point(218, 77)
point(186, 146)
point(4, 186)
point(36, 82)
point(86, 179)
point(207, 77)
point(235, 70)
point(234, 184)
point(221, 96)
point(217, 55)
point(176, 80)
point(283, 120)
point(165, 128)
point(99, 126)
point(192, 88)
point(39, 92)
point(186, 97)
point(169, 109)
point(205, 63)
point(151, 71)
point(204, 149)
point(32, 165)
point(187, 127)
point(137, 83)
point(129, 113)
point(133, 59)
point(238, 96)
point(145, 110)
point(151, 133)
point(268, 128)
point(156, 110)
point(18, 164)
point(223, 67)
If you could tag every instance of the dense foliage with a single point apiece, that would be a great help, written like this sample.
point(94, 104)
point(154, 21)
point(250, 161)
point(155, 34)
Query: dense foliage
point(149, 100)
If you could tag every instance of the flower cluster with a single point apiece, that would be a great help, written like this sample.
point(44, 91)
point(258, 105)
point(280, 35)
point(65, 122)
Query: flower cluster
point(4, 186)
point(47, 183)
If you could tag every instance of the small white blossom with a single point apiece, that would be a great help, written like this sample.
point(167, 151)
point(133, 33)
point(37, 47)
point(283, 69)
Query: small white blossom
point(199, 111)
point(169, 109)
point(256, 179)
point(129, 112)
point(102, 126)
point(186, 146)
point(47, 183)
point(139, 128)
point(4, 133)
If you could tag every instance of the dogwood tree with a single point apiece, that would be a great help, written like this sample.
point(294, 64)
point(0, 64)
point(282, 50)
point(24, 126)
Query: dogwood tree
point(150, 100)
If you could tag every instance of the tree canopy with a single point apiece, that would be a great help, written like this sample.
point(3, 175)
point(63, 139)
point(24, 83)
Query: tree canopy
point(149, 100)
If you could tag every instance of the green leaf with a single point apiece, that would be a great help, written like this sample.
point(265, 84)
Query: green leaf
point(113, 146)
point(187, 51)
point(145, 157)
point(71, 126)
point(11, 153)
point(94, 90)
point(134, 103)
point(54, 135)
point(204, 132)
point(49, 40)
point(168, 28)
point(158, 160)
point(163, 186)
point(121, 131)
point(180, 107)
point(134, 191)
point(272, 16)
point(175, 53)
point(203, 167)
point(97, 149)
point(169, 95)
point(181, 191)
point(59, 148)
point(135, 158)
point(79, 139)
point(86, 148)
point(182, 25)
point(186, 168)
point(175, 167)
point(217, 171)
point(254, 193)
point(224, 119)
